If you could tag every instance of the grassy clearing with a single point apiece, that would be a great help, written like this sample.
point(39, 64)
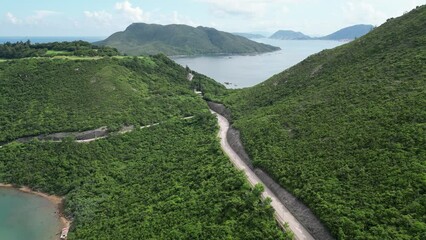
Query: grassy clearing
point(77, 58)
point(55, 53)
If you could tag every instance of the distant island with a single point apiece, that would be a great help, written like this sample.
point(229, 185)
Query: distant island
point(172, 40)
point(289, 35)
point(348, 33)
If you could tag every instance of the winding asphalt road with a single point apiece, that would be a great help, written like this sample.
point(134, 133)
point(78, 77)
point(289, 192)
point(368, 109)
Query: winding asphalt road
point(281, 212)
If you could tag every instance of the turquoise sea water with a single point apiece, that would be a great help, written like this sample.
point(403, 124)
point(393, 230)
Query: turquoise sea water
point(25, 216)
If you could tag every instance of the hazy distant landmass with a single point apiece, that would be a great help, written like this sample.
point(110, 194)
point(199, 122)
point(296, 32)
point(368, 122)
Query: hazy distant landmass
point(141, 39)
point(289, 35)
point(250, 35)
point(351, 32)
point(348, 33)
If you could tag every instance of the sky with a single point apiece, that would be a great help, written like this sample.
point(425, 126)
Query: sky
point(104, 17)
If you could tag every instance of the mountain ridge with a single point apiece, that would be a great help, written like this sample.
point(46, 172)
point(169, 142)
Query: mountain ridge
point(178, 39)
point(347, 33)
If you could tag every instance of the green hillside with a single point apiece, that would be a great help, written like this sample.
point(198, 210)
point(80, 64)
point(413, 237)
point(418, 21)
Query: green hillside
point(76, 48)
point(142, 39)
point(53, 95)
point(168, 181)
point(345, 131)
point(171, 181)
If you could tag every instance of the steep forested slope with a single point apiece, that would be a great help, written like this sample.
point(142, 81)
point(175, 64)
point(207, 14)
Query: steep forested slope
point(141, 38)
point(345, 131)
point(168, 181)
point(44, 95)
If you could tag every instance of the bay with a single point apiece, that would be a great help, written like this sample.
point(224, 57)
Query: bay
point(26, 216)
point(249, 70)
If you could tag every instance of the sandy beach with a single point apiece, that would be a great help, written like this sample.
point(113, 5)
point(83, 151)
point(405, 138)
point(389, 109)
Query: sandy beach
point(58, 201)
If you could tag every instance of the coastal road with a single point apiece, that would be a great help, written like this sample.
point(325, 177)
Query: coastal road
point(281, 212)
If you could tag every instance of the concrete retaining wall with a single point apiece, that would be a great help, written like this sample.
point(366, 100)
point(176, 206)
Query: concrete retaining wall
point(99, 132)
point(295, 206)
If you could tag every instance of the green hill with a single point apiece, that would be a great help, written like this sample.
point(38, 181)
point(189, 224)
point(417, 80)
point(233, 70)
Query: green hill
point(345, 131)
point(142, 39)
point(167, 181)
point(53, 95)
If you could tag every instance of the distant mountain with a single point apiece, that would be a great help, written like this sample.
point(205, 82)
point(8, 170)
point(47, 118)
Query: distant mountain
point(141, 39)
point(349, 33)
point(250, 35)
point(289, 35)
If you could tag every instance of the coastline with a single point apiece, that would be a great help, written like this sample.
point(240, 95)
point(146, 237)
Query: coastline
point(56, 200)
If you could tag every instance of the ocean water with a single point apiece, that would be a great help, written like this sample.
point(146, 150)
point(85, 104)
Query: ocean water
point(49, 39)
point(247, 71)
point(26, 216)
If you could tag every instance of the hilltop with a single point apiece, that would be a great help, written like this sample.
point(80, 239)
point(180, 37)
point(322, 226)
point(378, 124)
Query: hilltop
point(47, 95)
point(344, 131)
point(142, 39)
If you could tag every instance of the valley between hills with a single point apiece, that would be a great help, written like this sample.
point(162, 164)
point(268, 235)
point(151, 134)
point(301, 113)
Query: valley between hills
point(331, 148)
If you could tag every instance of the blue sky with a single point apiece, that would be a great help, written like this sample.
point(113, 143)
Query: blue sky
point(104, 17)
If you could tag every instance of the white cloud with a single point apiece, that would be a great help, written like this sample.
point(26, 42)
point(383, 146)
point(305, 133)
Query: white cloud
point(251, 8)
point(180, 19)
point(40, 15)
point(12, 19)
point(233, 7)
point(362, 12)
point(136, 14)
point(101, 17)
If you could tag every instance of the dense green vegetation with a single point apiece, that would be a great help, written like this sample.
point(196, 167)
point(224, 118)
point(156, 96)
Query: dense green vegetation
point(76, 48)
point(52, 95)
point(345, 131)
point(170, 181)
point(141, 38)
